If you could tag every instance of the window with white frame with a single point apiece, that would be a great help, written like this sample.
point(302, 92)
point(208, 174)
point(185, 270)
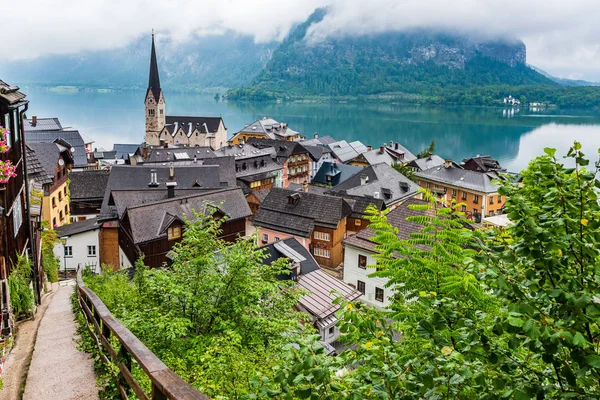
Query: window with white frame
point(325, 253)
point(324, 236)
point(68, 251)
point(265, 238)
point(91, 251)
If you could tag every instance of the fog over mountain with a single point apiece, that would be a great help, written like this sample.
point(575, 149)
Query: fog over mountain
point(561, 37)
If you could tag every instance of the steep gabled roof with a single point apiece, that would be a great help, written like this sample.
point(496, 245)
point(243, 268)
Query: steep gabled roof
point(273, 252)
point(322, 290)
point(269, 127)
point(71, 136)
point(316, 152)
point(35, 170)
point(147, 221)
point(425, 163)
point(162, 155)
point(74, 228)
point(10, 94)
point(298, 212)
point(482, 164)
point(347, 151)
point(47, 154)
point(283, 148)
point(42, 124)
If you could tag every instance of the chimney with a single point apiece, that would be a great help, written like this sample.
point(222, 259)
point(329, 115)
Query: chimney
point(195, 159)
point(171, 184)
point(363, 180)
point(391, 143)
point(332, 167)
point(369, 147)
point(316, 135)
point(34, 120)
point(376, 195)
point(241, 142)
point(381, 149)
point(305, 186)
point(153, 178)
point(447, 163)
point(165, 145)
point(397, 145)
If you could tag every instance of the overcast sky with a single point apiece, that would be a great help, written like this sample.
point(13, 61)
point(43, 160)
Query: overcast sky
point(562, 36)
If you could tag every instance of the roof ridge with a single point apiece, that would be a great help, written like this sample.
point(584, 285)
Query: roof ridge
point(151, 203)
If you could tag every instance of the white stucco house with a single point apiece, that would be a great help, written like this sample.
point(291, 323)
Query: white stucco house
point(78, 246)
point(359, 256)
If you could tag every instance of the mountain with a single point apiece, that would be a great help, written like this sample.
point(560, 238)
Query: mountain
point(417, 61)
point(564, 81)
point(228, 60)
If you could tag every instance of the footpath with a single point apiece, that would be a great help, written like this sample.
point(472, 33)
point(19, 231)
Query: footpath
point(59, 371)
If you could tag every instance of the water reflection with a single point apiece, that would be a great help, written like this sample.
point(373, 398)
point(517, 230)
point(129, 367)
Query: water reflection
point(512, 136)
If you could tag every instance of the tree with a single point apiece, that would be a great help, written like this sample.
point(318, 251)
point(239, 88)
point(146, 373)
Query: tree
point(217, 316)
point(428, 152)
point(482, 315)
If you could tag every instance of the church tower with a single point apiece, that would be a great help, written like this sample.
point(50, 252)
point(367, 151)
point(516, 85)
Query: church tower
point(154, 102)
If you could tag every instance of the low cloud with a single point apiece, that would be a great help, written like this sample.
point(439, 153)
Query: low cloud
point(561, 37)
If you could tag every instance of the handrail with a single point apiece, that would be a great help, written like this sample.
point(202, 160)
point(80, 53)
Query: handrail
point(165, 383)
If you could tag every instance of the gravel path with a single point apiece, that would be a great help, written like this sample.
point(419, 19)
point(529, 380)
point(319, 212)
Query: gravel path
point(58, 370)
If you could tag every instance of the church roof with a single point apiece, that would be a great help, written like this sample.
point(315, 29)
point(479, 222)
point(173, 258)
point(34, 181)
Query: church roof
point(153, 79)
point(209, 125)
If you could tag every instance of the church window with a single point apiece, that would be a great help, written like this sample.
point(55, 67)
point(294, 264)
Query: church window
point(150, 111)
point(161, 111)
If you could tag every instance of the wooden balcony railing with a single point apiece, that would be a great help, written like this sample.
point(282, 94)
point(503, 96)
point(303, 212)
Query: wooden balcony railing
point(165, 383)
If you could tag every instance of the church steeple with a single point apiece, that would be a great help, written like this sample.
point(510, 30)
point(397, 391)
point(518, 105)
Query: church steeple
point(154, 79)
point(154, 102)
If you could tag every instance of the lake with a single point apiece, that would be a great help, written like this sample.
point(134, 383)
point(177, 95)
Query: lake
point(512, 137)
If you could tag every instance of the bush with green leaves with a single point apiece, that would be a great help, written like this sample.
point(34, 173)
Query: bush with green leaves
point(50, 262)
point(21, 294)
point(217, 316)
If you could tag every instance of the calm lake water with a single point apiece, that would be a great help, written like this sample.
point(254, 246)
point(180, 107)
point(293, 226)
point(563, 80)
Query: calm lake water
point(118, 117)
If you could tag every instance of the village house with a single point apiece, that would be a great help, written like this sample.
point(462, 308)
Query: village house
point(79, 245)
point(482, 164)
point(15, 234)
point(318, 140)
point(476, 189)
point(175, 155)
point(255, 168)
point(400, 153)
point(49, 130)
point(87, 192)
point(177, 130)
point(359, 255)
point(265, 128)
point(55, 159)
point(318, 222)
point(422, 164)
point(318, 156)
point(152, 229)
point(380, 181)
point(130, 186)
point(343, 151)
point(371, 157)
point(321, 288)
point(294, 158)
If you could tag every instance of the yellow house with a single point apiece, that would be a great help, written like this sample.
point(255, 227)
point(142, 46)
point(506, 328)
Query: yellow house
point(266, 128)
point(56, 162)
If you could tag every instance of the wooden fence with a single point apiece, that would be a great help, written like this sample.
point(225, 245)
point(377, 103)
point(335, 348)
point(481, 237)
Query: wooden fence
point(165, 383)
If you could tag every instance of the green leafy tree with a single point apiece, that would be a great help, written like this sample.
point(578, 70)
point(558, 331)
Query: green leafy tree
point(217, 316)
point(50, 262)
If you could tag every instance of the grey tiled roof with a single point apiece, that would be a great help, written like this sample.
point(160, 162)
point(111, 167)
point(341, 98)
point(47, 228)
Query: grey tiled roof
point(160, 155)
point(384, 181)
point(423, 164)
point(376, 156)
point(89, 184)
point(463, 178)
point(347, 151)
point(320, 141)
point(129, 177)
point(42, 124)
point(122, 199)
point(244, 151)
point(78, 227)
point(396, 218)
point(147, 221)
point(190, 123)
point(402, 152)
point(123, 150)
point(10, 94)
point(47, 154)
point(276, 212)
point(70, 136)
point(268, 126)
point(316, 152)
point(35, 171)
point(283, 148)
